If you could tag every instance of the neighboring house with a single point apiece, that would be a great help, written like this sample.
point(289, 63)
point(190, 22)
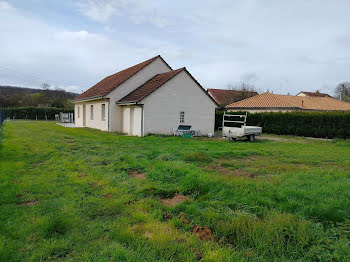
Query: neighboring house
point(146, 98)
point(224, 96)
point(268, 102)
point(314, 94)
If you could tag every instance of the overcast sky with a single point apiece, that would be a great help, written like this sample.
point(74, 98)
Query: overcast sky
point(279, 45)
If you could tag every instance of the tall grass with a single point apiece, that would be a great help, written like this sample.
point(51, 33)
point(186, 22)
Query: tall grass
point(265, 201)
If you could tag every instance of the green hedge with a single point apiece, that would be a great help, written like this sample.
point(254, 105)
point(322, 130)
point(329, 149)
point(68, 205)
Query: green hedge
point(310, 124)
point(34, 112)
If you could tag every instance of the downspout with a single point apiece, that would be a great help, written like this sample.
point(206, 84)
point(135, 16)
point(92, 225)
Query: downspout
point(109, 116)
point(142, 115)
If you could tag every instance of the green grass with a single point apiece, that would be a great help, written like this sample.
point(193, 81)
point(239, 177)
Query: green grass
point(66, 195)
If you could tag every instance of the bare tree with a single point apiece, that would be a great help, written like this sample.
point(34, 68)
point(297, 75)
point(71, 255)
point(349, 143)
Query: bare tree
point(244, 90)
point(45, 86)
point(342, 91)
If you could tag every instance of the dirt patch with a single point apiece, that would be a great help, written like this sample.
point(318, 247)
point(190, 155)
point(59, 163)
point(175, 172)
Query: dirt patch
point(137, 175)
point(108, 196)
point(183, 218)
point(167, 216)
point(29, 203)
point(82, 175)
point(203, 233)
point(16, 181)
point(177, 199)
point(19, 195)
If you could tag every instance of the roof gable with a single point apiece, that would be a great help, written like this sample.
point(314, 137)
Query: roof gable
point(111, 82)
point(155, 83)
point(149, 87)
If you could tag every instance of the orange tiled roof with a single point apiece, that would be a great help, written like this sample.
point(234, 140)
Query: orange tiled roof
point(272, 101)
point(111, 82)
point(317, 93)
point(225, 96)
point(149, 87)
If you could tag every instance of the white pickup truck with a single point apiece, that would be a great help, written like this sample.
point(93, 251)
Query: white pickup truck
point(234, 129)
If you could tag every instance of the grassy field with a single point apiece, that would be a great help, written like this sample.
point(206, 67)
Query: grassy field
point(84, 195)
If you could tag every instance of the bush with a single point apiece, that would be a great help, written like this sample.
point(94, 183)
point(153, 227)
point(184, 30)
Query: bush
point(311, 124)
point(34, 112)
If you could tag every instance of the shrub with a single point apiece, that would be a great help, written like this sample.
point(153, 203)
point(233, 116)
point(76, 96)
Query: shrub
point(34, 112)
point(311, 124)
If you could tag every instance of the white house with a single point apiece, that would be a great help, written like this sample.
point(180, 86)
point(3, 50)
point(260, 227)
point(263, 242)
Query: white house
point(146, 98)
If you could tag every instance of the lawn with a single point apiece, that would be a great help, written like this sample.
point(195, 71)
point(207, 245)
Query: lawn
point(83, 195)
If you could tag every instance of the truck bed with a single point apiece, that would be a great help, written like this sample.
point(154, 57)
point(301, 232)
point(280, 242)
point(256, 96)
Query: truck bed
point(252, 130)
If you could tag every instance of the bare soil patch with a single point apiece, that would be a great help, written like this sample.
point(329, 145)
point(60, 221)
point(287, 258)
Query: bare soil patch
point(29, 203)
point(177, 199)
point(108, 196)
point(183, 218)
point(167, 216)
point(204, 233)
point(137, 175)
point(16, 181)
point(82, 175)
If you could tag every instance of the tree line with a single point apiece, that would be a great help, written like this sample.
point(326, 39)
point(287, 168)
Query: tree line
point(12, 96)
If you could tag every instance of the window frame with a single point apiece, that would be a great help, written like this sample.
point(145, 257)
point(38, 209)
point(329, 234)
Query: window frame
point(91, 112)
point(182, 116)
point(78, 107)
point(103, 112)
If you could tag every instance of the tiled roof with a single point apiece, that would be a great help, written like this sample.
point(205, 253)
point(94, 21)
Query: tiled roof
point(317, 93)
point(149, 87)
point(111, 82)
point(225, 96)
point(272, 101)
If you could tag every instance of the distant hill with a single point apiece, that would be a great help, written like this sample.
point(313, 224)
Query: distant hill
point(8, 90)
point(15, 96)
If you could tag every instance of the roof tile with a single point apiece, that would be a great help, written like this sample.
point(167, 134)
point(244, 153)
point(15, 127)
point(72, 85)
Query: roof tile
point(268, 100)
point(111, 82)
point(225, 96)
point(149, 87)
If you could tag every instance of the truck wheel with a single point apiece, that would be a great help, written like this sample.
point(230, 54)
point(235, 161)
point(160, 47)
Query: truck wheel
point(251, 138)
point(232, 139)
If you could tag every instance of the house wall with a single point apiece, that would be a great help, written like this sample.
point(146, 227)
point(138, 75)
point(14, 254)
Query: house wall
point(97, 121)
point(116, 111)
point(162, 108)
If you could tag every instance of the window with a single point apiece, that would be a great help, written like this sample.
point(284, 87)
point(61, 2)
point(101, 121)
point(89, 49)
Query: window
point(182, 117)
point(91, 112)
point(78, 111)
point(103, 112)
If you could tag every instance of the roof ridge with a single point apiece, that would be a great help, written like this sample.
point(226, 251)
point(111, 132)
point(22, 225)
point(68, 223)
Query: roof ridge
point(288, 102)
point(111, 82)
point(151, 89)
